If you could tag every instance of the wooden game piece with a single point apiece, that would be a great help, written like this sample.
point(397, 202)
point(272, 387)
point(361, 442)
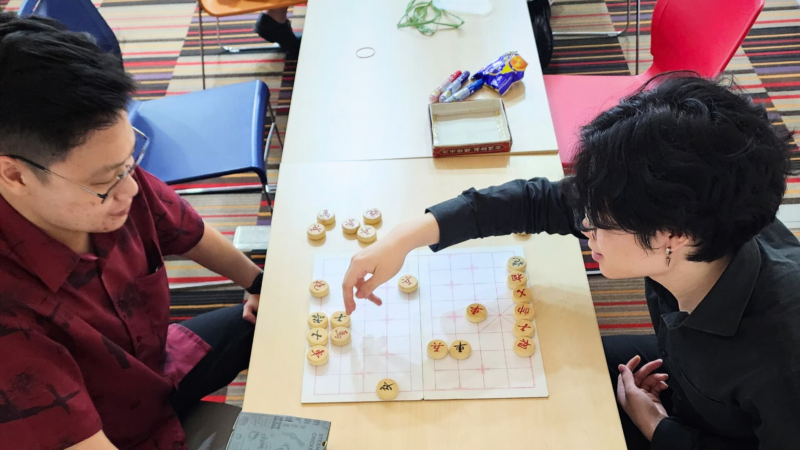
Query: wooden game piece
point(317, 336)
point(521, 294)
point(523, 311)
point(326, 217)
point(317, 355)
point(351, 226)
point(319, 288)
point(407, 283)
point(367, 234)
point(437, 349)
point(318, 320)
point(523, 328)
point(476, 313)
point(516, 264)
point(340, 319)
point(517, 279)
point(387, 389)
point(316, 232)
point(460, 349)
point(340, 336)
point(524, 347)
point(372, 216)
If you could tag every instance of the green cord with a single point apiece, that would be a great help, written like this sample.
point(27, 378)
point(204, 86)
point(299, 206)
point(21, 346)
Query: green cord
point(417, 16)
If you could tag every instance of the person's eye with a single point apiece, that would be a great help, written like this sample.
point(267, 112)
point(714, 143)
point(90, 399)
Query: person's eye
point(111, 181)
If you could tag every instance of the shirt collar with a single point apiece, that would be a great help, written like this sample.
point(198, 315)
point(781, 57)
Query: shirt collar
point(47, 258)
point(721, 310)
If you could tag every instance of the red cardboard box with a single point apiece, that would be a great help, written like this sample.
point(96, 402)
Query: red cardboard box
point(469, 128)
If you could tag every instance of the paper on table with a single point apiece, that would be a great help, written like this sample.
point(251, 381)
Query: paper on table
point(385, 340)
point(388, 340)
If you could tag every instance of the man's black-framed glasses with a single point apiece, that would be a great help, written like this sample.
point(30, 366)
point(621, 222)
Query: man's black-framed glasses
point(139, 150)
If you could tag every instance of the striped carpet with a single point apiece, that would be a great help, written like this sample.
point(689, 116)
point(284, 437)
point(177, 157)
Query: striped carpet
point(160, 41)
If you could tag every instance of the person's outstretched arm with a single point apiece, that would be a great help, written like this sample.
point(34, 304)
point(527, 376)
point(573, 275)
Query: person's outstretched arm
point(519, 206)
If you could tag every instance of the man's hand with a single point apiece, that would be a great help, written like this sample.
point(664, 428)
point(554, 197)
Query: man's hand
point(251, 308)
point(638, 394)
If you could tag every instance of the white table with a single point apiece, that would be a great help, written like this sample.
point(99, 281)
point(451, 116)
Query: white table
point(580, 412)
point(349, 109)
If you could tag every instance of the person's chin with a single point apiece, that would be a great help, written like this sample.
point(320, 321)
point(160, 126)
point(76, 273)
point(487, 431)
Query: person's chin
point(113, 223)
point(607, 272)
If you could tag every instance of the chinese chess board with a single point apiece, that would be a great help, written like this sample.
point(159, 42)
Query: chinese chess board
point(388, 341)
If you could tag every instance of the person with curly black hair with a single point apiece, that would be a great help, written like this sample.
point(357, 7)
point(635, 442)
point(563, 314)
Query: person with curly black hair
point(679, 183)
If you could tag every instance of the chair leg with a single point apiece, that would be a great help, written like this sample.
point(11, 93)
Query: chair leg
point(272, 129)
point(609, 34)
point(266, 195)
point(202, 50)
point(219, 40)
point(275, 121)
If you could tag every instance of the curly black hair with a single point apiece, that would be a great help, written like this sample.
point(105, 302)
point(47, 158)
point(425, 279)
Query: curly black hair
point(56, 88)
point(684, 155)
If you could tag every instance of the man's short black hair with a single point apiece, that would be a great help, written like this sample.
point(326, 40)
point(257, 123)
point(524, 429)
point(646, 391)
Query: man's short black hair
point(56, 88)
point(684, 155)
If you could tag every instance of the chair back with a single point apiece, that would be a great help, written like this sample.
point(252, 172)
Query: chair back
point(699, 35)
point(76, 15)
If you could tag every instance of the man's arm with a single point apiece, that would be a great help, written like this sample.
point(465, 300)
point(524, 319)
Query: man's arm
point(217, 254)
point(97, 442)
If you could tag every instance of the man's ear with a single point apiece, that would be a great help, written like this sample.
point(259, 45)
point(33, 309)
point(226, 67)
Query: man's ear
point(675, 242)
point(15, 175)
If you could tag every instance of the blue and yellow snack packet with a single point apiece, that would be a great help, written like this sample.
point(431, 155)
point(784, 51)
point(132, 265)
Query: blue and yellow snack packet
point(502, 73)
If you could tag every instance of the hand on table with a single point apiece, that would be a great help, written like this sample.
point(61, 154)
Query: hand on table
point(251, 308)
point(383, 260)
point(638, 393)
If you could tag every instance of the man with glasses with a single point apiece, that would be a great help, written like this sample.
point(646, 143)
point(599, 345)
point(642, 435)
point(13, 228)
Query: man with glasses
point(88, 359)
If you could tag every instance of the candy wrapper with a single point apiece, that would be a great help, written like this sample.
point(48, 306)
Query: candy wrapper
point(502, 73)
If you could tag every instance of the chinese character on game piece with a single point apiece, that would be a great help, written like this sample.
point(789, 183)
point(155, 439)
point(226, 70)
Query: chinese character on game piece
point(475, 310)
point(436, 346)
point(521, 293)
point(460, 347)
point(386, 386)
point(317, 353)
point(524, 344)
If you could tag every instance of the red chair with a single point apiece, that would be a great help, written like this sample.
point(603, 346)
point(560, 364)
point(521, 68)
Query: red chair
point(698, 35)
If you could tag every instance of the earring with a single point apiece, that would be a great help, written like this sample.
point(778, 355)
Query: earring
point(669, 255)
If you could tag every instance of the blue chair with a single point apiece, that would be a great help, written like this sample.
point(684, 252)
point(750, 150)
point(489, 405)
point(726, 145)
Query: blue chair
point(76, 16)
point(194, 136)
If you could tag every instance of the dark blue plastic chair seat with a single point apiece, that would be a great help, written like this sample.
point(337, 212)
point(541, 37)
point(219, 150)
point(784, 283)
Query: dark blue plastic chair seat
point(219, 131)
